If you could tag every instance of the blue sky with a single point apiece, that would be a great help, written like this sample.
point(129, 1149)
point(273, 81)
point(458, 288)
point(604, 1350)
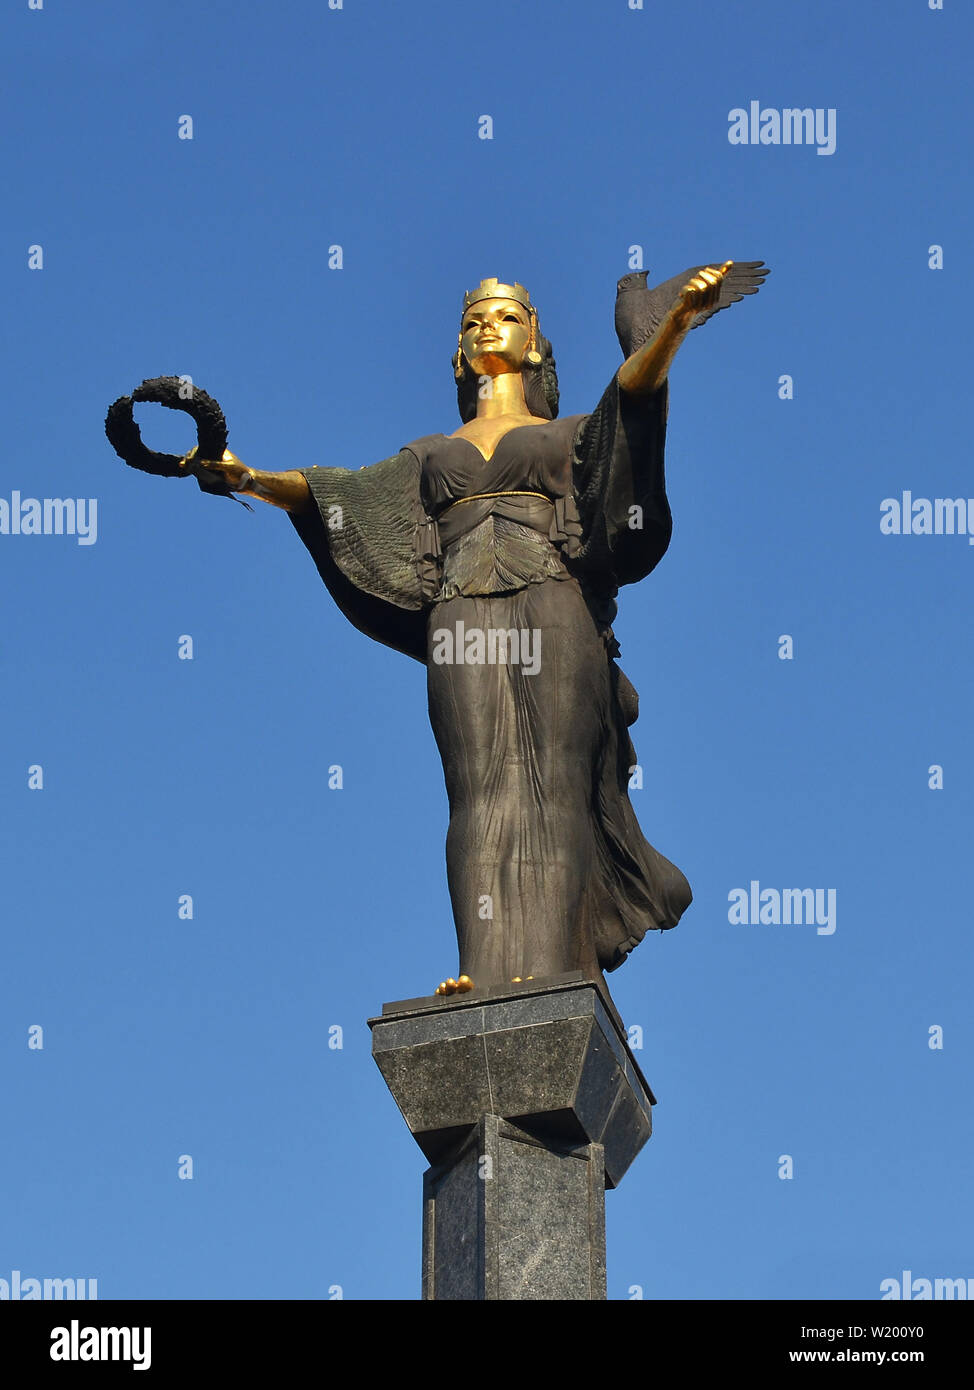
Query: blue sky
point(312, 907)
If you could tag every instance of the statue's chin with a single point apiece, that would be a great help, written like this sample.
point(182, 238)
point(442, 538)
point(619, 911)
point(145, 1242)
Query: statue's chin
point(489, 364)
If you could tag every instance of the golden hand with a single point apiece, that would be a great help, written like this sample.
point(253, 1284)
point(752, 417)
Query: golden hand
point(236, 475)
point(647, 368)
point(702, 292)
point(288, 490)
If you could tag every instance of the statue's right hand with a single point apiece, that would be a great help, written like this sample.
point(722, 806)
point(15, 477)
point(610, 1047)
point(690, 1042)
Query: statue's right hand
point(228, 470)
point(288, 490)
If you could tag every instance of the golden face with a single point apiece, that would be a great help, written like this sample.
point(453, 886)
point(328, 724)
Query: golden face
point(494, 336)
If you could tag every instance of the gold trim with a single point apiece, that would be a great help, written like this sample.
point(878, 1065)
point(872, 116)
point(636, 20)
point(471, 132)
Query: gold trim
point(479, 497)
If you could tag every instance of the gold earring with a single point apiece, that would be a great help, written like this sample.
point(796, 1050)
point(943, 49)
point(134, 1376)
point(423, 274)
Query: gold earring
point(458, 369)
point(533, 356)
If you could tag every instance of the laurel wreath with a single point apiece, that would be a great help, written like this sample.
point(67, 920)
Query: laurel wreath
point(171, 391)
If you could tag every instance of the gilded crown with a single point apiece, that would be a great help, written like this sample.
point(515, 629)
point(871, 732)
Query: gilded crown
point(493, 288)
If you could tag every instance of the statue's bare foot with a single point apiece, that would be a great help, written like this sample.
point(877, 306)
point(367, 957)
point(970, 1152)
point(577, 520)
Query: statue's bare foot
point(452, 986)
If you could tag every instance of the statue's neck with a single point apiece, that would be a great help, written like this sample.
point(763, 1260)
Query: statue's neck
point(506, 398)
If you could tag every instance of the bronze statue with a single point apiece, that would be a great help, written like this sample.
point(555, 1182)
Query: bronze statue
point(494, 555)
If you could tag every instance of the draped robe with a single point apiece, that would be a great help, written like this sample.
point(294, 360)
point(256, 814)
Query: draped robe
point(548, 869)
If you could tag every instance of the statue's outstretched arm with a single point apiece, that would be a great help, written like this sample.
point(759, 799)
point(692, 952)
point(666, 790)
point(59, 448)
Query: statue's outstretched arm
point(646, 369)
point(288, 490)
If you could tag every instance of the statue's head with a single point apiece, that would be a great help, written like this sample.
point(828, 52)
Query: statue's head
point(499, 333)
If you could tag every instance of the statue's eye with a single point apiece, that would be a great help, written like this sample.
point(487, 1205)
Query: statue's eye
point(469, 327)
point(511, 318)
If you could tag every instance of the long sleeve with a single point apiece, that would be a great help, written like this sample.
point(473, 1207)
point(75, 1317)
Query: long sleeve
point(620, 487)
point(365, 532)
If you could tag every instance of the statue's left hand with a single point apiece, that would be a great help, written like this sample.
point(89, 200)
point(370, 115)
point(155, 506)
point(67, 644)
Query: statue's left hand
point(702, 292)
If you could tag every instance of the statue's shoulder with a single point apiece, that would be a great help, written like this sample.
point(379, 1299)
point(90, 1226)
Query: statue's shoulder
point(420, 449)
point(400, 470)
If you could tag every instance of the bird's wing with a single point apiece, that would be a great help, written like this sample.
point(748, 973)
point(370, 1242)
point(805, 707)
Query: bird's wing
point(744, 277)
point(640, 310)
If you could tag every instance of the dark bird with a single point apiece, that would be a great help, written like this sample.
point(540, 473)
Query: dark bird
point(640, 310)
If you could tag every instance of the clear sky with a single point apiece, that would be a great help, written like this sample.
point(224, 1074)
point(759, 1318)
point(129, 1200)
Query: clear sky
point(163, 777)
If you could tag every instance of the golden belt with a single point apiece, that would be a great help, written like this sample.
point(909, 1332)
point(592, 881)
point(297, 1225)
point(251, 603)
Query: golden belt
point(479, 496)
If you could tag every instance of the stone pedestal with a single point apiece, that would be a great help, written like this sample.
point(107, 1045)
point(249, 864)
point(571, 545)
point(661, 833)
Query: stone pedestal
point(528, 1103)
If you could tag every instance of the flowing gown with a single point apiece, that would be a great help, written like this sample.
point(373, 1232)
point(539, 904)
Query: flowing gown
point(435, 550)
